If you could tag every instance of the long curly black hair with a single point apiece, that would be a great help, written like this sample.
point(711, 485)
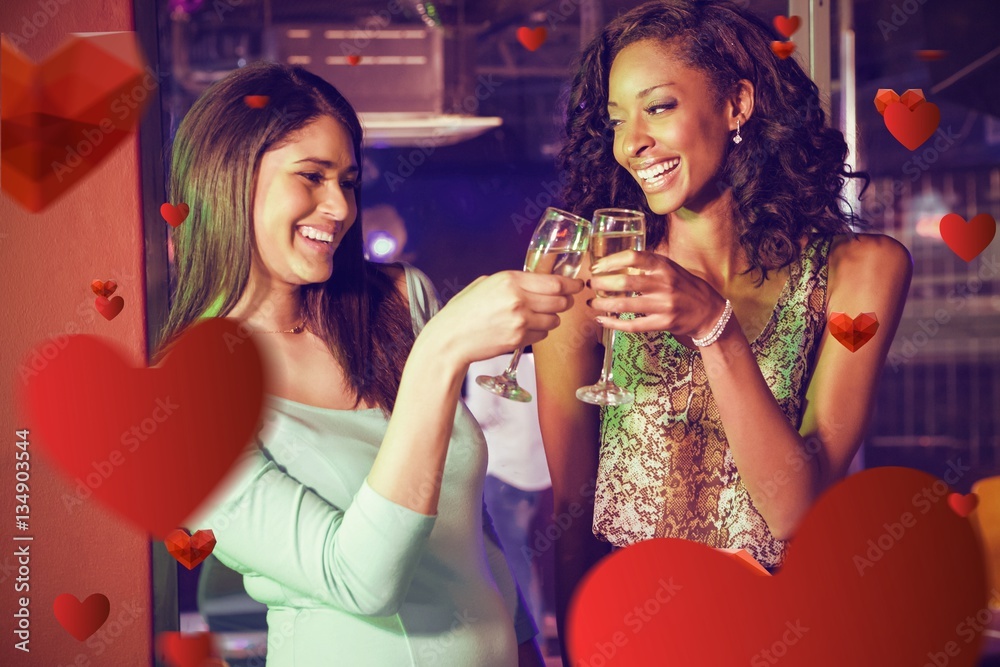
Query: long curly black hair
point(786, 176)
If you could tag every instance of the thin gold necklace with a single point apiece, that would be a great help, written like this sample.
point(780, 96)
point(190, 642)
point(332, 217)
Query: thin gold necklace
point(299, 328)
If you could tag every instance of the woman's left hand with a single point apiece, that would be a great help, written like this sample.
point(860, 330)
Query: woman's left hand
point(671, 297)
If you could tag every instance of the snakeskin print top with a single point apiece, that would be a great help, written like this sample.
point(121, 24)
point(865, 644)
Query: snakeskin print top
point(666, 469)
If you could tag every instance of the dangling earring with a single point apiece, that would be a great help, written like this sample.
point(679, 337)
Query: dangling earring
point(737, 139)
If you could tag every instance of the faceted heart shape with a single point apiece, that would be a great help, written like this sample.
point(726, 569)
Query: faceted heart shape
point(109, 308)
point(532, 38)
point(174, 215)
point(174, 432)
point(963, 505)
point(853, 334)
point(854, 589)
point(81, 619)
point(783, 49)
point(886, 96)
point(190, 550)
point(185, 650)
point(255, 102)
point(912, 127)
point(968, 239)
point(60, 119)
point(104, 289)
point(787, 26)
point(912, 98)
point(353, 59)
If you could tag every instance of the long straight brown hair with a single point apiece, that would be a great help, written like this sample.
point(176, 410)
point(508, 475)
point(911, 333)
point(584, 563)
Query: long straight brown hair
point(217, 151)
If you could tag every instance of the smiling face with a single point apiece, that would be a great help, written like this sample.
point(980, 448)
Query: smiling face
point(670, 133)
point(305, 201)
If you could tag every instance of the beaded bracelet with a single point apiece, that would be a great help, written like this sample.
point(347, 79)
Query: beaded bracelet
point(717, 330)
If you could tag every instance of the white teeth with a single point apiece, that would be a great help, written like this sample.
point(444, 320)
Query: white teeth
point(315, 234)
point(657, 169)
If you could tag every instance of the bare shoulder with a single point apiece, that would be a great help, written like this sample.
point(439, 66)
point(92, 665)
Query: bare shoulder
point(869, 249)
point(398, 275)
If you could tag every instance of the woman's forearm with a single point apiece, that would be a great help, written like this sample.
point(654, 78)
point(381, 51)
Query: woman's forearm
point(760, 436)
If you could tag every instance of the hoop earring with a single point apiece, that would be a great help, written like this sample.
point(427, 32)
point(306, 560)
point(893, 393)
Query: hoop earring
point(737, 139)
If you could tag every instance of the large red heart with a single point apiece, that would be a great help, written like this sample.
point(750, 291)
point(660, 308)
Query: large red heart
point(853, 333)
point(882, 573)
point(81, 619)
point(60, 119)
point(912, 127)
point(150, 443)
point(188, 650)
point(968, 239)
point(787, 26)
point(532, 38)
point(190, 550)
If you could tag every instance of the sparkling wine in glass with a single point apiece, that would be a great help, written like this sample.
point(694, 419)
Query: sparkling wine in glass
point(557, 247)
point(614, 230)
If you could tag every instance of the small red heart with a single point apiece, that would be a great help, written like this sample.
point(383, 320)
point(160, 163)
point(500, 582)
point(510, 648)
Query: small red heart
point(175, 429)
point(255, 102)
point(185, 650)
point(109, 307)
point(853, 333)
point(532, 38)
point(912, 98)
point(190, 550)
point(783, 49)
point(912, 127)
point(104, 289)
point(81, 619)
point(787, 26)
point(174, 215)
point(963, 505)
point(968, 239)
point(353, 60)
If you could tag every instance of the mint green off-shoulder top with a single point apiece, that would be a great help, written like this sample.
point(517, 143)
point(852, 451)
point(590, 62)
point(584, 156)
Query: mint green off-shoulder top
point(349, 577)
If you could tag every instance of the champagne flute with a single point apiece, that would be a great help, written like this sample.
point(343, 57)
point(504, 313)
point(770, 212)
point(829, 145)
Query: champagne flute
point(615, 230)
point(556, 247)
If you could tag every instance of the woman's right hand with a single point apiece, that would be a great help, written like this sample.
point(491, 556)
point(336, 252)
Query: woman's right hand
point(499, 313)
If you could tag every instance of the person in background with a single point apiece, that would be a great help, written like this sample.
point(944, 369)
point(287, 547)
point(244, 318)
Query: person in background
point(517, 476)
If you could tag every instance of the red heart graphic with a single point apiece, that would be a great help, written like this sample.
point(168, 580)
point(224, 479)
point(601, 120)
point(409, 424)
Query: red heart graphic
point(912, 98)
point(353, 60)
point(187, 650)
point(963, 505)
point(174, 215)
point(532, 38)
point(853, 333)
point(787, 26)
point(104, 289)
point(109, 308)
point(190, 550)
point(254, 102)
point(783, 49)
point(912, 127)
point(856, 589)
point(81, 619)
point(61, 118)
point(968, 239)
point(174, 432)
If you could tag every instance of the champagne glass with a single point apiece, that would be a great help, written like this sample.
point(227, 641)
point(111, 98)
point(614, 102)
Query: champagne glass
point(614, 230)
point(557, 247)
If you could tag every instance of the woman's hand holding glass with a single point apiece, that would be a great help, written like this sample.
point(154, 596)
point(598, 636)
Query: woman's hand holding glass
point(501, 312)
point(668, 296)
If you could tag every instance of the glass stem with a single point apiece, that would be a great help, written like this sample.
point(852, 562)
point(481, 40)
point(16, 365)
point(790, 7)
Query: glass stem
point(609, 343)
point(511, 372)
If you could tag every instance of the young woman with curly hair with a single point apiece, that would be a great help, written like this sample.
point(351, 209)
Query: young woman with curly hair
point(680, 109)
point(357, 516)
